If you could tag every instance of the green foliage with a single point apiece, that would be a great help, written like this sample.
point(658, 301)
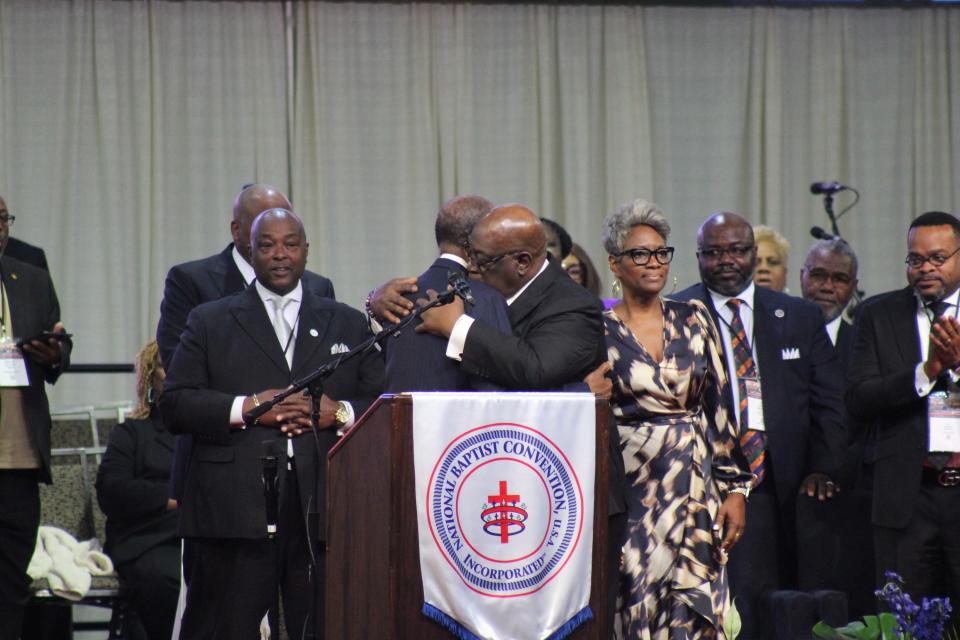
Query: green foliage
point(881, 627)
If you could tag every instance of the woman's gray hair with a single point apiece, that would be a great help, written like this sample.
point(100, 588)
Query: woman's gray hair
point(618, 224)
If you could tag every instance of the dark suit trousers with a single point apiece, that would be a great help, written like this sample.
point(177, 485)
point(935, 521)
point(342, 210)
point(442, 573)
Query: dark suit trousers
point(154, 582)
point(926, 553)
point(19, 519)
point(234, 582)
point(760, 563)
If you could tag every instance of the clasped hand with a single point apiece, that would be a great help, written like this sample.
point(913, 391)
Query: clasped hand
point(292, 414)
point(47, 353)
point(944, 351)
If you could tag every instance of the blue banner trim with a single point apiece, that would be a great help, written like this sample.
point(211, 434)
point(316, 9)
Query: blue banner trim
point(463, 633)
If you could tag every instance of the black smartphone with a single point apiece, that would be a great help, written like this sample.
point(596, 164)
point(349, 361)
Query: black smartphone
point(43, 336)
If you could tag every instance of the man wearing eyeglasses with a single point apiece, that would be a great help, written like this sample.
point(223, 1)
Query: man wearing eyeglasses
point(35, 349)
point(786, 392)
point(835, 537)
point(14, 248)
point(556, 339)
point(903, 380)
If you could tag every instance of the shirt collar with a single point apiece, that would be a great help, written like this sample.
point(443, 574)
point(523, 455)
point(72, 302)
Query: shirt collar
point(950, 300)
point(513, 298)
point(454, 258)
point(720, 300)
point(245, 269)
point(265, 294)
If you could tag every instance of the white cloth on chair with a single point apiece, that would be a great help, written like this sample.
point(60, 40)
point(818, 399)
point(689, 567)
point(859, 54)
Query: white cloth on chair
point(67, 565)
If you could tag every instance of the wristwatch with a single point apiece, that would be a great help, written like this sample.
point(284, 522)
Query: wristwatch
point(341, 416)
point(744, 491)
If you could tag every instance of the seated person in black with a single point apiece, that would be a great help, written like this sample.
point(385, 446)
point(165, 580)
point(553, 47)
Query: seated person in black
point(133, 492)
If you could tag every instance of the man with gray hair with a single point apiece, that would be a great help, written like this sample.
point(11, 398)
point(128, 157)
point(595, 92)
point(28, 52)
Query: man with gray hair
point(829, 280)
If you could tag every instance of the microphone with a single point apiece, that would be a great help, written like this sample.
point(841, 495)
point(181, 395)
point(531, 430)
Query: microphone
point(821, 234)
point(460, 286)
point(827, 188)
point(269, 462)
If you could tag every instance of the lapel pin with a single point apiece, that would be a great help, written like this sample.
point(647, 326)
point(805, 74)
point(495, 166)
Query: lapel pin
point(13, 275)
point(313, 332)
point(779, 313)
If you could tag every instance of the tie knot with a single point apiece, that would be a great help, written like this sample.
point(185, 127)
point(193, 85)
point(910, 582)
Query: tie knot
point(734, 304)
point(939, 308)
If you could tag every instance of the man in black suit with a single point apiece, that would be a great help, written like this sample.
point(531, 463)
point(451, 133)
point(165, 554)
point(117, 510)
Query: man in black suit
point(800, 394)
point(416, 361)
point(228, 272)
point(236, 353)
point(22, 251)
point(906, 347)
point(193, 283)
point(28, 306)
point(834, 537)
point(556, 339)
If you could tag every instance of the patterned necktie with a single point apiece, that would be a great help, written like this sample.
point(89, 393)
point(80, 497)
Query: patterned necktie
point(281, 326)
point(752, 443)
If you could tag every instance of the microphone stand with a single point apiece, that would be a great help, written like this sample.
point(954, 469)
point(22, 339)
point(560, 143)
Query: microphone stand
point(314, 383)
point(828, 207)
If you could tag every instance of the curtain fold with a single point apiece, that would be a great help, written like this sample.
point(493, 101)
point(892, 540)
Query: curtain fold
point(126, 129)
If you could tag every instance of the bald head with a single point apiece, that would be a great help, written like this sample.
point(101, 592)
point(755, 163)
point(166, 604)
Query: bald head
point(456, 219)
point(279, 250)
point(509, 246)
point(251, 201)
point(726, 253)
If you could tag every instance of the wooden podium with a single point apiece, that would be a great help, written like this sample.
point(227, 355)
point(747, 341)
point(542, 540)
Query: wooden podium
point(373, 584)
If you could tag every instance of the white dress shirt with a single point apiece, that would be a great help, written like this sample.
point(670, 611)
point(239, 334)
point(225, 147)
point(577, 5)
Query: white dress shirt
point(726, 317)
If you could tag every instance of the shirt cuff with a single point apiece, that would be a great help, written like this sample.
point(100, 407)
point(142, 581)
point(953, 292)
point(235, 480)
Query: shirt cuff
point(921, 382)
point(458, 337)
point(236, 411)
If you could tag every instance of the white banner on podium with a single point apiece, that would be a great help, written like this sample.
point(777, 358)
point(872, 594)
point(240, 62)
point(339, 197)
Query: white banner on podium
point(505, 486)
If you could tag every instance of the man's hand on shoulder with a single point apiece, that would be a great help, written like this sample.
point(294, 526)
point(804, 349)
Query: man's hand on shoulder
point(439, 320)
point(599, 382)
point(387, 303)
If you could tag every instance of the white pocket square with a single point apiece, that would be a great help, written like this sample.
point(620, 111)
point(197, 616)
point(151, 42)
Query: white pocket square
point(790, 353)
point(339, 348)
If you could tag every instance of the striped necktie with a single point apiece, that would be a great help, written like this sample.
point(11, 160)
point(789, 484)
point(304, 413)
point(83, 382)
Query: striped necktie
point(752, 443)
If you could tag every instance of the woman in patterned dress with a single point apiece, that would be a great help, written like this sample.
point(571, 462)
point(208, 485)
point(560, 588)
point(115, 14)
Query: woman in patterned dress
point(686, 479)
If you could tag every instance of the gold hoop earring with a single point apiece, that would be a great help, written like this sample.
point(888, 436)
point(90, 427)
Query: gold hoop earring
point(674, 286)
point(617, 289)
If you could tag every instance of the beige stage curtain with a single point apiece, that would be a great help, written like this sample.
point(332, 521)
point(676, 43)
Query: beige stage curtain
point(126, 128)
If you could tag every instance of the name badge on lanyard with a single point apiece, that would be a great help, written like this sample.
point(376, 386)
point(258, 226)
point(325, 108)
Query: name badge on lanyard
point(754, 404)
point(13, 368)
point(943, 421)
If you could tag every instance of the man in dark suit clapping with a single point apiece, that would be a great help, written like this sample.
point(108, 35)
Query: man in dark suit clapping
point(906, 350)
point(236, 353)
point(795, 442)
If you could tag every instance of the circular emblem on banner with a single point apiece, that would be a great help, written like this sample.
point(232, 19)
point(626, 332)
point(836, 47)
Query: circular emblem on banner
point(505, 508)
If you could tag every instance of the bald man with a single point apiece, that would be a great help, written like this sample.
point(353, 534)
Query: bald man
point(235, 353)
point(228, 272)
point(557, 336)
point(802, 434)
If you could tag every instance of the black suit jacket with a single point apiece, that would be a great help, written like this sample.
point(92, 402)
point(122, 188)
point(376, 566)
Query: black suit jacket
point(230, 349)
point(132, 488)
point(26, 252)
point(802, 397)
point(881, 391)
point(418, 361)
point(557, 340)
point(34, 308)
point(193, 283)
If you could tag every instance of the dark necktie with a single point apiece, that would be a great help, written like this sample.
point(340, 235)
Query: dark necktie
point(752, 443)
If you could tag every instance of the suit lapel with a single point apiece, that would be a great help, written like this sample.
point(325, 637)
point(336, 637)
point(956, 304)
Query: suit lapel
point(903, 326)
point(312, 330)
point(251, 315)
point(769, 324)
point(530, 299)
point(225, 275)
